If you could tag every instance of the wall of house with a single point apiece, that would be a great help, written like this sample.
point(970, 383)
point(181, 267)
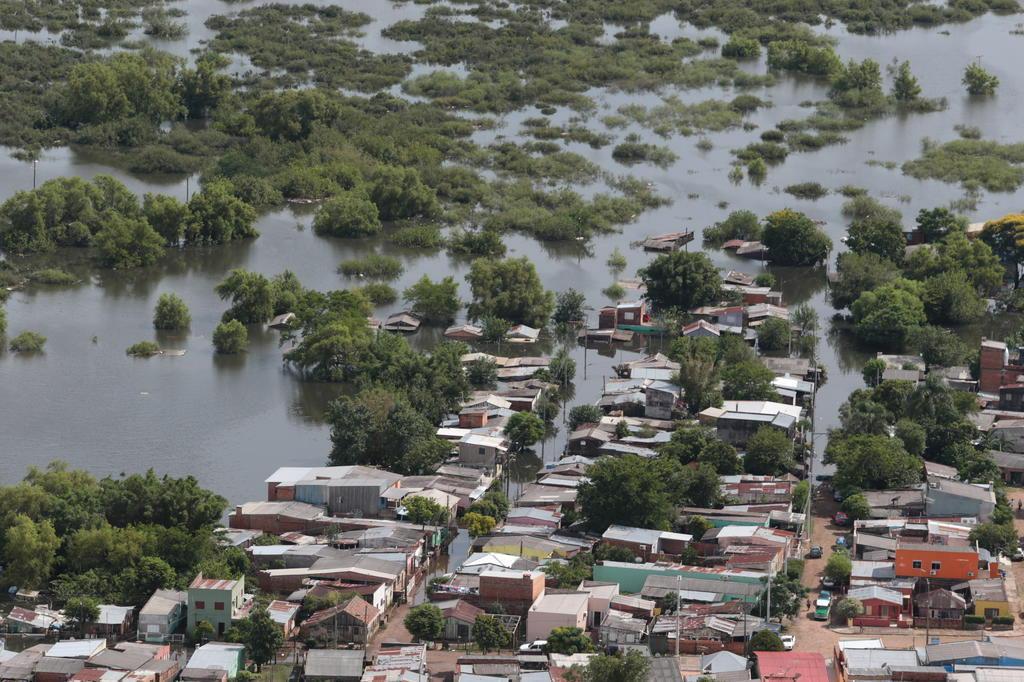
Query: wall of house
point(540, 624)
point(983, 605)
point(220, 618)
point(951, 565)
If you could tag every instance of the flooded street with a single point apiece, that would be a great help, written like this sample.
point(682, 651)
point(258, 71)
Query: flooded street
point(230, 420)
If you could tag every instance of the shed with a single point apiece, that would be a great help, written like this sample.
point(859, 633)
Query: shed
point(334, 665)
point(405, 322)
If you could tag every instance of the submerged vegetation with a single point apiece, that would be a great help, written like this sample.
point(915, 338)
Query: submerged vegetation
point(974, 163)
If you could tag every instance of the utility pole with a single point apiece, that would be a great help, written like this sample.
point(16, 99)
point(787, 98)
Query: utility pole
point(679, 587)
point(35, 164)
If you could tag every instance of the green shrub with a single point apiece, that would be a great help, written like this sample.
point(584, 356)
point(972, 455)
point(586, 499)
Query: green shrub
point(230, 337)
point(143, 349)
point(739, 47)
point(976, 620)
point(379, 293)
point(171, 313)
point(419, 237)
point(1003, 620)
point(807, 190)
point(53, 276)
point(28, 342)
point(375, 266)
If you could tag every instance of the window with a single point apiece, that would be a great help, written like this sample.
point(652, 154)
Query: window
point(629, 317)
point(480, 451)
point(218, 606)
point(991, 613)
point(936, 565)
point(200, 605)
point(917, 564)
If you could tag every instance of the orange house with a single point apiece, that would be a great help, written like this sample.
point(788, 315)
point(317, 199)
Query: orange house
point(942, 562)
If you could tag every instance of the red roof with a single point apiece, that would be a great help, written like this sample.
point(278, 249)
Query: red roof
point(733, 244)
point(790, 666)
point(201, 583)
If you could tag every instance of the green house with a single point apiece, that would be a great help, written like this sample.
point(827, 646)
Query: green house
point(218, 602)
point(631, 577)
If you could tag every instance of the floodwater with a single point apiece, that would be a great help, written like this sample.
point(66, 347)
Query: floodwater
point(230, 421)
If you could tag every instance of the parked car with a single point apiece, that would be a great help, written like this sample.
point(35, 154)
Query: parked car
point(788, 642)
point(841, 518)
point(534, 647)
point(1018, 554)
point(828, 582)
point(840, 543)
point(816, 552)
point(837, 495)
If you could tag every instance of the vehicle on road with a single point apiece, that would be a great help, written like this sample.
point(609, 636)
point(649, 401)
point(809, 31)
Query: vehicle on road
point(823, 606)
point(534, 647)
point(837, 495)
point(1017, 555)
point(816, 552)
point(841, 518)
point(788, 642)
point(828, 582)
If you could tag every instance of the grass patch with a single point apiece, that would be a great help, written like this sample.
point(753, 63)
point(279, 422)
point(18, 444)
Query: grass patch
point(633, 151)
point(143, 349)
point(807, 190)
point(973, 163)
point(374, 266)
point(418, 237)
point(28, 342)
point(53, 277)
point(674, 116)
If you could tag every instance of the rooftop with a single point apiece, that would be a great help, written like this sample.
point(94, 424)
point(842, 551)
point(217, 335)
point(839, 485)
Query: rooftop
point(566, 602)
point(334, 663)
point(784, 666)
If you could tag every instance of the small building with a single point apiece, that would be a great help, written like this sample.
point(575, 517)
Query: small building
point(55, 669)
point(283, 613)
point(84, 649)
point(701, 329)
point(163, 615)
point(32, 621)
point(600, 600)
point(112, 621)
point(217, 602)
point(622, 628)
point(1011, 465)
point(229, 658)
point(354, 621)
point(552, 611)
point(522, 333)
point(334, 665)
point(668, 242)
point(940, 608)
point(482, 451)
point(282, 321)
point(661, 400)
point(944, 497)
point(994, 651)
point(882, 607)
point(646, 543)
point(459, 616)
point(789, 666)
point(987, 597)
point(464, 332)
point(404, 322)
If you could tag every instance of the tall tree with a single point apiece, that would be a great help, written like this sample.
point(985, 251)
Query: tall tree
point(30, 549)
point(793, 239)
point(905, 87)
point(425, 622)
point(509, 289)
point(434, 301)
point(681, 280)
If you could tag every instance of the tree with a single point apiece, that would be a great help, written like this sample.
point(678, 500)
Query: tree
point(856, 507)
point(858, 85)
point(423, 510)
point(216, 216)
point(489, 633)
point(857, 273)
point(400, 193)
point(230, 337)
point(872, 371)
point(348, 214)
point(681, 280)
point(722, 457)
point(880, 232)
point(584, 414)
point(425, 622)
point(629, 667)
point(171, 313)
point(27, 342)
point(912, 435)
point(569, 307)
point(482, 372)
point(939, 347)
point(252, 297)
point(568, 641)
point(978, 81)
point(523, 430)
point(562, 367)
point(747, 380)
point(261, 635)
point(293, 114)
point(998, 538)
point(203, 87)
point(766, 640)
point(697, 525)
point(769, 451)
point(434, 302)
point(849, 608)
point(478, 524)
point(82, 611)
point(801, 491)
point(838, 567)
point(167, 216)
point(905, 87)
point(1006, 238)
point(630, 491)
point(773, 334)
point(888, 315)
point(937, 223)
point(793, 239)
point(494, 503)
point(509, 289)
point(127, 242)
point(30, 549)
point(950, 298)
point(871, 462)
point(743, 225)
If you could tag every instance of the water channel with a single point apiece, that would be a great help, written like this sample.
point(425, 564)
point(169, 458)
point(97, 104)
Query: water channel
point(231, 420)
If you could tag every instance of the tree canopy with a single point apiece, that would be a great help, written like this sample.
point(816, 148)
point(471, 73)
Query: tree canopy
point(681, 280)
point(509, 289)
point(793, 239)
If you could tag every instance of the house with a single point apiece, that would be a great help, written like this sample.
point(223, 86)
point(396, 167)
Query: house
point(112, 621)
point(552, 611)
point(529, 547)
point(622, 628)
point(217, 602)
point(865, 663)
point(341, 490)
point(84, 649)
point(483, 452)
point(993, 651)
point(215, 656)
point(790, 666)
point(28, 621)
point(55, 669)
point(987, 597)
point(600, 601)
point(943, 562)
point(283, 613)
point(737, 420)
point(1011, 465)
point(521, 333)
point(515, 590)
point(404, 322)
point(533, 516)
point(632, 577)
point(944, 497)
point(237, 537)
point(459, 616)
point(354, 621)
point(701, 329)
point(940, 608)
point(670, 241)
point(282, 321)
point(464, 332)
point(699, 590)
point(661, 399)
point(645, 543)
point(334, 665)
point(882, 607)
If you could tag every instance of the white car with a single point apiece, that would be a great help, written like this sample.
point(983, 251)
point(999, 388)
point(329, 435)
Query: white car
point(534, 647)
point(788, 642)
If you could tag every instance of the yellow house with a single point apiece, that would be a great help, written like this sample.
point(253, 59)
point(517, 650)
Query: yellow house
point(988, 597)
point(534, 549)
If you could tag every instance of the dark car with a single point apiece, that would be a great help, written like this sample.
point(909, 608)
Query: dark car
point(816, 552)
